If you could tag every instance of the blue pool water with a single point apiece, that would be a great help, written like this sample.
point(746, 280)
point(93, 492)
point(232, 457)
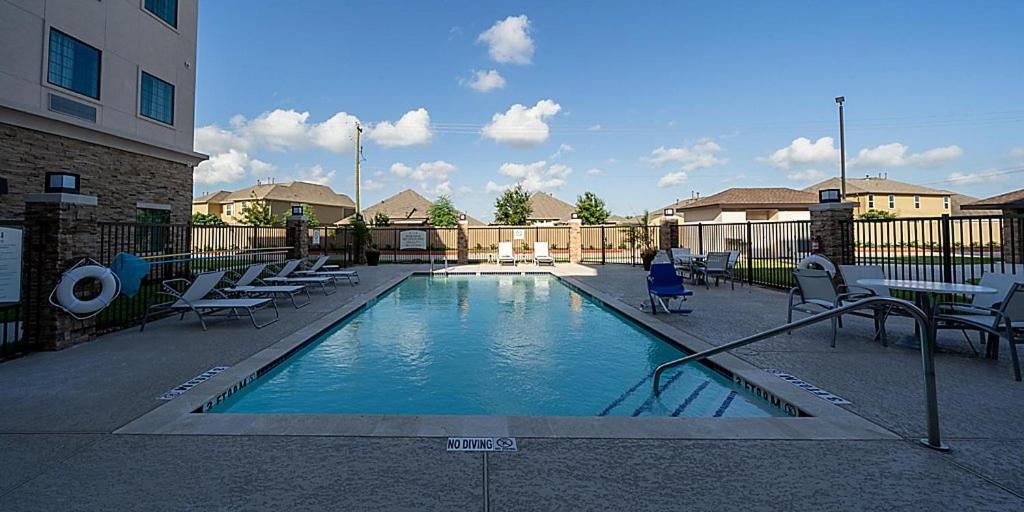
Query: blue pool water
point(490, 345)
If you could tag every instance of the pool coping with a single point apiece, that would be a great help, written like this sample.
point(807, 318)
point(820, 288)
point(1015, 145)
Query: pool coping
point(826, 421)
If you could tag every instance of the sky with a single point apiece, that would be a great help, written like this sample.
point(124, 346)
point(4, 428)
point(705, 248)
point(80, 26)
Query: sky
point(642, 103)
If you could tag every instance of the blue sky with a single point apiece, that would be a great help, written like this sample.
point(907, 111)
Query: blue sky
point(640, 103)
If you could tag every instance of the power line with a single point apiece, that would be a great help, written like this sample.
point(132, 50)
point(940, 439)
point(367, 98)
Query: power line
point(970, 177)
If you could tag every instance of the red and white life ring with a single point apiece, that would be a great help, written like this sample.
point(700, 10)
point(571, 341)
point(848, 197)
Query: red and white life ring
point(817, 261)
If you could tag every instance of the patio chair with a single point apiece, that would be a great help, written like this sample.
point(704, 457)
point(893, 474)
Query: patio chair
point(195, 299)
point(249, 284)
point(505, 253)
point(318, 268)
point(853, 273)
point(819, 293)
point(734, 258)
point(663, 285)
point(981, 306)
point(716, 265)
point(286, 275)
point(1005, 321)
point(541, 256)
point(682, 259)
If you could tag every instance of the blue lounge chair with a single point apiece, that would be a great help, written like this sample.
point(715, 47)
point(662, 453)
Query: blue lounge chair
point(664, 285)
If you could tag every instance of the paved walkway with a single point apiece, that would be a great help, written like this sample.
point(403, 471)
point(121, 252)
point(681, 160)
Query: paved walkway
point(58, 409)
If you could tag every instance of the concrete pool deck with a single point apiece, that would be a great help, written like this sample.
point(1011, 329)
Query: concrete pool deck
point(60, 409)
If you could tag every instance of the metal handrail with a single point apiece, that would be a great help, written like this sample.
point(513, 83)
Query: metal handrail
point(927, 335)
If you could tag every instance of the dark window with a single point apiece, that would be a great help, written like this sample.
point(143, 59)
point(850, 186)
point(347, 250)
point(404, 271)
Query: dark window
point(151, 230)
point(152, 216)
point(157, 99)
point(166, 10)
point(73, 65)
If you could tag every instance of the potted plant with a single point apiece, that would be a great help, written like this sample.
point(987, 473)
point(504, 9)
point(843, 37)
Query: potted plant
point(364, 243)
point(639, 238)
point(647, 256)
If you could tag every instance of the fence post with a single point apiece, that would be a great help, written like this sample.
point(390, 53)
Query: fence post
point(603, 244)
point(60, 230)
point(463, 243)
point(700, 238)
point(668, 233)
point(947, 249)
point(750, 254)
point(832, 230)
point(297, 237)
point(575, 240)
point(1012, 236)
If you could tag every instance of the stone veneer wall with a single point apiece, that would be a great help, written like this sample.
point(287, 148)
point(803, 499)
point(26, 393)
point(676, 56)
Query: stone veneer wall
point(120, 179)
point(832, 227)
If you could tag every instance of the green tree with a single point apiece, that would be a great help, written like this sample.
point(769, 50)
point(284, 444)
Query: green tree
point(207, 219)
point(257, 213)
point(873, 214)
point(443, 213)
point(310, 214)
point(590, 209)
point(381, 219)
point(512, 208)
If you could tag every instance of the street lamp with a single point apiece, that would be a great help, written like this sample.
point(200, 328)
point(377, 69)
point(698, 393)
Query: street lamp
point(842, 149)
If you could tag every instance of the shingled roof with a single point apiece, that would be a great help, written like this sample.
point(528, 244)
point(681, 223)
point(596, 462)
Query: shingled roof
point(405, 207)
point(876, 186)
point(215, 197)
point(768, 197)
point(1009, 201)
point(547, 207)
point(293, 191)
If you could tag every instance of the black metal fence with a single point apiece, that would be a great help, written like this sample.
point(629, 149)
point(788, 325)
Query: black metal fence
point(483, 241)
point(334, 241)
point(768, 251)
point(440, 243)
point(617, 243)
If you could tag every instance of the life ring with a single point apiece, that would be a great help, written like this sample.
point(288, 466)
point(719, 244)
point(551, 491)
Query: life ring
point(66, 289)
point(819, 262)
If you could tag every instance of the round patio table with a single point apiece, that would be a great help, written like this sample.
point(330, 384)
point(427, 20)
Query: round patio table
point(926, 291)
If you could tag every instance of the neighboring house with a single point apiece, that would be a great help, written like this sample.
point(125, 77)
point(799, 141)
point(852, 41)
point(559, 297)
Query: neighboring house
point(105, 90)
point(885, 195)
point(547, 210)
point(1005, 204)
point(329, 206)
point(407, 207)
point(659, 214)
point(748, 204)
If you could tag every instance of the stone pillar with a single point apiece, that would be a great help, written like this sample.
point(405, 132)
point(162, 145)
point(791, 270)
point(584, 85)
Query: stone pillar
point(297, 237)
point(60, 230)
point(1012, 236)
point(832, 231)
point(575, 241)
point(668, 235)
point(463, 244)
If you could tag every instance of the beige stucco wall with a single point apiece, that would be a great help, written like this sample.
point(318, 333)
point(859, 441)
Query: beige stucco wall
point(930, 206)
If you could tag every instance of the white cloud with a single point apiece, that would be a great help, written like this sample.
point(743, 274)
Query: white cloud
point(484, 81)
point(1017, 151)
point(697, 156)
point(213, 139)
point(432, 177)
point(337, 134)
point(493, 188)
point(534, 176)
point(279, 129)
point(594, 171)
point(895, 155)
point(412, 129)
point(509, 40)
point(563, 149)
point(672, 179)
point(594, 128)
point(372, 185)
point(804, 152)
point(806, 175)
point(522, 126)
point(228, 167)
point(734, 178)
point(992, 176)
point(317, 174)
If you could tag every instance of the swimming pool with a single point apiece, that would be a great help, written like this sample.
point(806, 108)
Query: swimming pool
point(508, 345)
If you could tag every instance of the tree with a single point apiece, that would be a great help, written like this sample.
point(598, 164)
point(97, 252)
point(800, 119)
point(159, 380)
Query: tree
point(310, 214)
point(590, 209)
point(873, 214)
point(207, 219)
point(512, 208)
point(257, 213)
point(443, 213)
point(381, 219)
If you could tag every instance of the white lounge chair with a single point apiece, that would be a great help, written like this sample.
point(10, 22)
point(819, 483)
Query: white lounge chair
point(318, 268)
point(286, 275)
point(195, 298)
point(249, 284)
point(506, 254)
point(541, 255)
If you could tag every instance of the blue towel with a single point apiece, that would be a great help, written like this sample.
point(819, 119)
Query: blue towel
point(130, 269)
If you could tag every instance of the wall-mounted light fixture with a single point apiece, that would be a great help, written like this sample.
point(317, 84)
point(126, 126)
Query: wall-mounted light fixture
point(575, 215)
point(829, 195)
point(63, 182)
point(297, 210)
point(462, 216)
point(669, 212)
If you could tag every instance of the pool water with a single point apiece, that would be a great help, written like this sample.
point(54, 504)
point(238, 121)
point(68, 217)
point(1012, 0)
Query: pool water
point(490, 345)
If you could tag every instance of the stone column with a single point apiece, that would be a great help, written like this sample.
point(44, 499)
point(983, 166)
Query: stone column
point(463, 244)
point(668, 235)
point(575, 241)
point(60, 230)
point(297, 237)
point(1012, 236)
point(832, 231)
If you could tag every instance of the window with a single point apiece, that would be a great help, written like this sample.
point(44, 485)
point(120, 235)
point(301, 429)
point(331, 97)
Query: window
point(892, 202)
point(166, 10)
point(871, 201)
point(917, 202)
point(157, 99)
point(945, 202)
point(73, 65)
point(152, 216)
point(229, 209)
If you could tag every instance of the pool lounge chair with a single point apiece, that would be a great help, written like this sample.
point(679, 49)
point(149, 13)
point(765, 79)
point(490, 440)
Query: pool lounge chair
point(318, 268)
point(249, 284)
point(541, 255)
point(505, 253)
point(663, 285)
point(201, 295)
point(287, 276)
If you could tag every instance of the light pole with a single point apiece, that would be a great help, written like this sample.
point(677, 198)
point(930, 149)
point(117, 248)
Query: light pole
point(842, 150)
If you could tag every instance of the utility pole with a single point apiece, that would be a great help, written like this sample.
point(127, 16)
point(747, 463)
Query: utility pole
point(842, 150)
point(359, 150)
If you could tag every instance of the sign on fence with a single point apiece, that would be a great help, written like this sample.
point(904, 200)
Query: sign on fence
point(10, 265)
point(316, 237)
point(412, 239)
point(519, 234)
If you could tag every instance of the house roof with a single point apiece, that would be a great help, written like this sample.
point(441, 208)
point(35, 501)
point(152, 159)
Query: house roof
point(547, 207)
point(405, 207)
point(754, 197)
point(214, 197)
point(871, 185)
point(1008, 201)
point(293, 191)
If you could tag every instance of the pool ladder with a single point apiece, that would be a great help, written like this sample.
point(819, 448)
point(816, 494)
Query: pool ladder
point(927, 337)
point(445, 260)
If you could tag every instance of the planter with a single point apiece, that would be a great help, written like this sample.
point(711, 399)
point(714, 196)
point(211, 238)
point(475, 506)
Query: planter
point(372, 258)
point(647, 258)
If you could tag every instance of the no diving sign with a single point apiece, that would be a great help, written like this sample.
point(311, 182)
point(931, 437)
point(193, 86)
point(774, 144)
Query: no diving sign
point(482, 444)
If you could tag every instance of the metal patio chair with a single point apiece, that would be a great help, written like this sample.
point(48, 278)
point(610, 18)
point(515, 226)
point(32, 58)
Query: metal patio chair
point(716, 266)
point(853, 273)
point(287, 276)
point(664, 285)
point(197, 298)
point(1004, 321)
point(320, 269)
point(818, 292)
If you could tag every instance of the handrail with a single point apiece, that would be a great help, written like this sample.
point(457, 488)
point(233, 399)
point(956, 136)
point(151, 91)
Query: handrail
point(927, 353)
